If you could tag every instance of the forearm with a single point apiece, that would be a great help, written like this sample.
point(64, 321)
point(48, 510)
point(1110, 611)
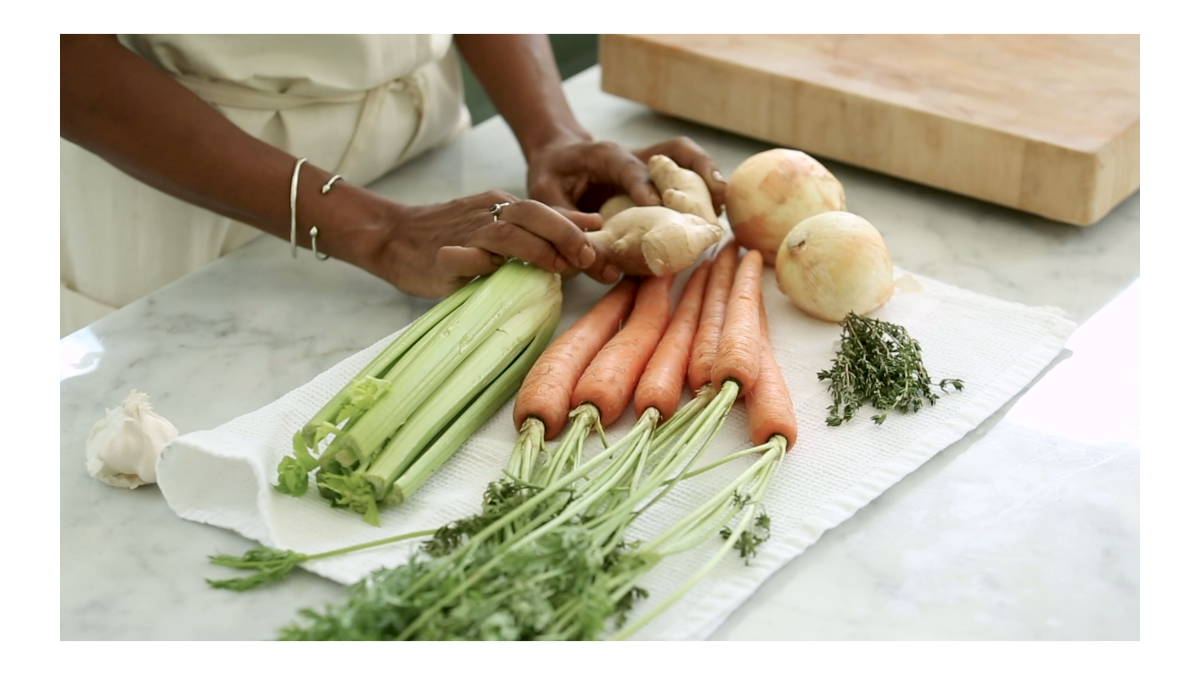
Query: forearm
point(137, 118)
point(521, 78)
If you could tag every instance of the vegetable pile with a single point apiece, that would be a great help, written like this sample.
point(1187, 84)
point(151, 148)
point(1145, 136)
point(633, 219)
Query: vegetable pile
point(549, 554)
point(834, 266)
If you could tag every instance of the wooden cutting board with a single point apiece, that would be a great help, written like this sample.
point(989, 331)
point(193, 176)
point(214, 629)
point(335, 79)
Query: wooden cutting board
point(1046, 124)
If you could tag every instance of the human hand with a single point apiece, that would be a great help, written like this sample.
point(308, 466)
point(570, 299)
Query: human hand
point(432, 250)
point(581, 173)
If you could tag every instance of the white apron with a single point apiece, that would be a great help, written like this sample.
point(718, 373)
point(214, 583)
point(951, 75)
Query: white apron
point(357, 105)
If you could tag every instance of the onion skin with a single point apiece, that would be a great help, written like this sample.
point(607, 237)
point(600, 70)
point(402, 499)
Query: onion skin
point(773, 191)
point(835, 263)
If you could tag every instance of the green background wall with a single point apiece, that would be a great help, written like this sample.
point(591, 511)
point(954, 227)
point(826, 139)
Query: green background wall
point(573, 52)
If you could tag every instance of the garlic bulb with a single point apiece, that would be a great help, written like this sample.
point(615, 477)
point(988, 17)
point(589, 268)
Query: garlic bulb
point(835, 263)
point(772, 191)
point(123, 448)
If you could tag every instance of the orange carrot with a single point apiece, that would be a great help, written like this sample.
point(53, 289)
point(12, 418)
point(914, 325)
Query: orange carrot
point(769, 403)
point(609, 380)
point(546, 391)
point(662, 382)
point(740, 344)
point(712, 317)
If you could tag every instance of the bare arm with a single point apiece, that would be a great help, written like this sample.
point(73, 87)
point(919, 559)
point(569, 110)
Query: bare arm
point(118, 106)
point(136, 117)
point(521, 78)
point(566, 166)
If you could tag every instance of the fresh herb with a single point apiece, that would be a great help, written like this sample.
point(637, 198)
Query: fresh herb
point(748, 541)
point(274, 564)
point(878, 363)
point(547, 556)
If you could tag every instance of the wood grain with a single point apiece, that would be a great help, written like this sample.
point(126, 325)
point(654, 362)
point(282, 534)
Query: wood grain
point(1047, 124)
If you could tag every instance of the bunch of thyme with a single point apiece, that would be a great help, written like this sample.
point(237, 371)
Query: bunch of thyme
point(878, 363)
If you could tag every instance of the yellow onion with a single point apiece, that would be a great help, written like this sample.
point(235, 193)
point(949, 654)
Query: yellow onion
point(772, 191)
point(835, 263)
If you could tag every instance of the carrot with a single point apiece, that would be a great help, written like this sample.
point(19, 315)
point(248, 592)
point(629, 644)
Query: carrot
point(609, 381)
point(769, 403)
point(741, 342)
point(662, 382)
point(545, 393)
point(712, 317)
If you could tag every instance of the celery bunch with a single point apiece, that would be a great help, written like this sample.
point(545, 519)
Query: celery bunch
point(395, 423)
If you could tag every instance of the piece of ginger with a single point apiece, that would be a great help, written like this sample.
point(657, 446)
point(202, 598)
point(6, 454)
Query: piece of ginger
point(615, 205)
point(659, 240)
point(682, 190)
point(655, 240)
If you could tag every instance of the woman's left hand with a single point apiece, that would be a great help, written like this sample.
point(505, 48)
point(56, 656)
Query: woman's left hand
point(582, 173)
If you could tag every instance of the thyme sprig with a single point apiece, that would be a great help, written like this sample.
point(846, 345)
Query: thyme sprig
point(878, 363)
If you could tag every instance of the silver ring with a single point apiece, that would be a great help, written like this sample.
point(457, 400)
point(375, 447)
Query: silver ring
point(496, 210)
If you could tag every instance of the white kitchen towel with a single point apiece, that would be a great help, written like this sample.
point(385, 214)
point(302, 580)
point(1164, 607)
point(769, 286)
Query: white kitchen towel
point(223, 477)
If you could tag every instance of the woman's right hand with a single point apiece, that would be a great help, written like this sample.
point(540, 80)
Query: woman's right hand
point(432, 250)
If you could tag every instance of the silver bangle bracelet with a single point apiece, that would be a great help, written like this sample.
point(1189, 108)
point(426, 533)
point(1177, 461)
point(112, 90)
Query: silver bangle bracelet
point(295, 185)
point(312, 233)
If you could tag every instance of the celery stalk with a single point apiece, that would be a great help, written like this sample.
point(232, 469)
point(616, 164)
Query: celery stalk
point(456, 392)
point(512, 288)
point(293, 470)
point(429, 387)
point(386, 358)
point(481, 409)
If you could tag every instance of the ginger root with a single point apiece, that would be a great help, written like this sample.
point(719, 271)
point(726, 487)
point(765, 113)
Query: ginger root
point(681, 189)
point(655, 240)
point(660, 240)
point(615, 205)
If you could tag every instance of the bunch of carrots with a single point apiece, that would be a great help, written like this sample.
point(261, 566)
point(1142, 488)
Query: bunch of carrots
point(548, 557)
point(717, 338)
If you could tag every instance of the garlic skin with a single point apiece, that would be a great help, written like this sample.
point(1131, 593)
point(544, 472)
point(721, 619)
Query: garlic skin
point(835, 263)
point(123, 448)
point(772, 191)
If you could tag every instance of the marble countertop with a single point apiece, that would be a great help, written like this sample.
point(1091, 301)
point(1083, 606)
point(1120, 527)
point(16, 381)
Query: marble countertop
point(1028, 528)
